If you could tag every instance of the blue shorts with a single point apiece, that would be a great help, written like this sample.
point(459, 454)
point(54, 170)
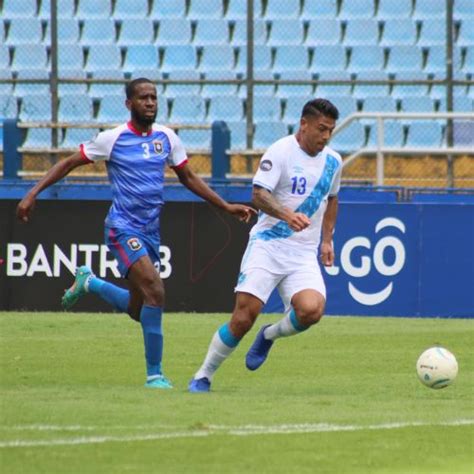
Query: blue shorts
point(127, 246)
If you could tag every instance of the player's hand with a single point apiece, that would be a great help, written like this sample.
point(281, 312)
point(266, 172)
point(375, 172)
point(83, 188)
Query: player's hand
point(298, 221)
point(242, 212)
point(25, 208)
point(327, 254)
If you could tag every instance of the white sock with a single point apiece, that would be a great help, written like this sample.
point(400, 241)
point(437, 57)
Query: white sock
point(287, 326)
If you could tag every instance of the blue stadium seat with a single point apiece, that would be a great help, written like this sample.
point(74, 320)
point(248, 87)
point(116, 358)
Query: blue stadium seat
point(128, 9)
point(140, 56)
point(468, 63)
point(366, 58)
point(174, 31)
point(136, 31)
point(436, 62)
point(402, 90)
point(238, 134)
point(282, 9)
point(466, 32)
point(98, 31)
point(174, 90)
point(4, 56)
point(179, 56)
point(78, 88)
point(364, 31)
point(329, 90)
point(29, 56)
point(293, 109)
point(99, 90)
point(163, 110)
point(461, 103)
point(266, 108)
point(430, 9)
point(37, 138)
point(351, 9)
point(286, 32)
point(417, 104)
point(22, 88)
point(70, 56)
point(237, 10)
point(5, 88)
point(188, 109)
point(261, 89)
point(362, 91)
point(8, 106)
point(289, 58)
point(289, 90)
point(379, 104)
point(394, 135)
point(239, 35)
point(195, 139)
point(74, 108)
point(323, 32)
point(319, 10)
point(2, 32)
point(404, 58)
point(112, 109)
point(93, 9)
point(217, 58)
point(438, 91)
point(211, 31)
point(399, 31)
point(226, 108)
point(211, 90)
point(107, 56)
point(65, 9)
point(166, 9)
point(399, 9)
point(463, 9)
point(68, 31)
point(267, 133)
point(433, 31)
point(73, 137)
point(262, 58)
point(346, 105)
point(463, 133)
point(206, 9)
point(24, 30)
point(35, 108)
point(424, 133)
point(19, 9)
point(329, 58)
point(349, 139)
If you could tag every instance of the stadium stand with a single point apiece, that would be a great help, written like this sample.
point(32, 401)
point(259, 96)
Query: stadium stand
point(68, 31)
point(24, 31)
point(87, 9)
point(98, 31)
point(65, 9)
point(136, 31)
point(125, 10)
point(19, 9)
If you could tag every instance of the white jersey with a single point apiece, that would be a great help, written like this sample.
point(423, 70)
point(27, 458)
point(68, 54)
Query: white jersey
point(300, 182)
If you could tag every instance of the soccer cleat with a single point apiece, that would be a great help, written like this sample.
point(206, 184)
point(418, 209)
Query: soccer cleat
point(159, 382)
point(258, 351)
point(78, 288)
point(199, 385)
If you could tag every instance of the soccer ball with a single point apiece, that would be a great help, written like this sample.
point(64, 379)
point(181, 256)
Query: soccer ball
point(437, 367)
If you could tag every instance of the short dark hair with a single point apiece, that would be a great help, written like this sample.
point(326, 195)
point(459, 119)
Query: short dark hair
point(316, 107)
point(130, 87)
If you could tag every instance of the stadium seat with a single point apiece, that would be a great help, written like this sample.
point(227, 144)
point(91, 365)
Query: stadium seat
point(329, 90)
point(463, 133)
point(37, 138)
point(178, 56)
point(399, 31)
point(466, 32)
point(351, 9)
point(4, 57)
point(364, 31)
point(267, 133)
point(98, 31)
point(394, 135)
point(346, 105)
point(206, 9)
point(68, 31)
point(128, 9)
point(211, 31)
point(217, 58)
point(188, 109)
point(107, 56)
point(226, 108)
point(399, 9)
point(77, 88)
point(262, 58)
point(379, 104)
point(282, 9)
point(362, 91)
point(323, 32)
point(288, 58)
point(402, 90)
point(328, 58)
point(211, 90)
point(166, 9)
point(319, 10)
point(29, 56)
point(433, 31)
point(438, 91)
point(366, 58)
point(404, 58)
point(19, 9)
point(266, 108)
point(35, 108)
point(70, 56)
point(461, 103)
point(237, 10)
point(289, 90)
point(2, 32)
point(140, 56)
point(239, 35)
point(349, 139)
point(74, 108)
point(163, 110)
point(468, 63)
point(424, 133)
point(195, 139)
point(417, 104)
point(286, 32)
point(65, 9)
point(463, 9)
point(112, 109)
point(238, 134)
point(5, 87)
point(174, 31)
point(24, 30)
point(293, 109)
point(28, 88)
point(136, 31)
point(174, 90)
point(430, 9)
point(436, 61)
point(93, 9)
point(8, 106)
point(99, 90)
point(73, 137)
point(260, 89)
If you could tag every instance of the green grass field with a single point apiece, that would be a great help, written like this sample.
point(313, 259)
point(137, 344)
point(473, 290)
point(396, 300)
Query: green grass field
point(340, 398)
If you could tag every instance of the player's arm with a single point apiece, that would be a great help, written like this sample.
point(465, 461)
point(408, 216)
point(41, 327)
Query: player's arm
point(266, 202)
point(329, 224)
point(194, 183)
point(58, 171)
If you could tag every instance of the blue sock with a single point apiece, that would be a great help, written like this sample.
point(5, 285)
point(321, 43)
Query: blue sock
point(150, 318)
point(112, 294)
point(227, 337)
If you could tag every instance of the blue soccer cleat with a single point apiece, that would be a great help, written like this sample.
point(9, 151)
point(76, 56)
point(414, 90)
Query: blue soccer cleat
point(258, 351)
point(78, 288)
point(202, 385)
point(159, 382)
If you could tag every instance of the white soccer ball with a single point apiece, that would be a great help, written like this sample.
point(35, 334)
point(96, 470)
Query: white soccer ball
point(437, 367)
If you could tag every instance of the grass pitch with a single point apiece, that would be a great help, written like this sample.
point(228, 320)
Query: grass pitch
point(342, 397)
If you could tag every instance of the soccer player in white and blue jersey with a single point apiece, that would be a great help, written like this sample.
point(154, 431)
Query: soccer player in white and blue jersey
point(136, 155)
point(295, 189)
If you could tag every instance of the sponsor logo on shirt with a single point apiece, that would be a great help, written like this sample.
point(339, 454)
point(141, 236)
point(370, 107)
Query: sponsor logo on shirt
point(266, 165)
point(134, 244)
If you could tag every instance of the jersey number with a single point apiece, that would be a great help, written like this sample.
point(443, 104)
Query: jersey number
point(146, 151)
point(299, 185)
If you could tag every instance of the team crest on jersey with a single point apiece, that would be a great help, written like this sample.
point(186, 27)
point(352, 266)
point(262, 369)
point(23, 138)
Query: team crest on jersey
point(266, 165)
point(134, 244)
point(158, 146)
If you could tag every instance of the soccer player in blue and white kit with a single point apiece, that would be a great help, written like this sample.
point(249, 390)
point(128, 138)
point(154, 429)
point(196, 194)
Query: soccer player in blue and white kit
point(295, 189)
point(136, 154)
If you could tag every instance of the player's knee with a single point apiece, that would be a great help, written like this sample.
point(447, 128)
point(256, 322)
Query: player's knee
point(241, 323)
point(310, 314)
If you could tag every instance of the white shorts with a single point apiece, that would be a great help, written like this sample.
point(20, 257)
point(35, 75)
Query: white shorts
point(267, 265)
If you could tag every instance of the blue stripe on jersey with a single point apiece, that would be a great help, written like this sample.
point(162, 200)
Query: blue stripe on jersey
point(309, 206)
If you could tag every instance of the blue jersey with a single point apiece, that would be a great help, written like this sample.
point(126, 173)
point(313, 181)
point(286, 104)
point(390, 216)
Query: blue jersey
point(136, 165)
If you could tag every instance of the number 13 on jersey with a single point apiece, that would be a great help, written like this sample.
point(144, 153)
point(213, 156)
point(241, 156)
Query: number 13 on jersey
point(299, 185)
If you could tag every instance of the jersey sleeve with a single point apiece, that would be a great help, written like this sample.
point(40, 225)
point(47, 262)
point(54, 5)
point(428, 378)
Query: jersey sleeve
point(269, 171)
point(336, 181)
point(99, 148)
point(178, 156)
